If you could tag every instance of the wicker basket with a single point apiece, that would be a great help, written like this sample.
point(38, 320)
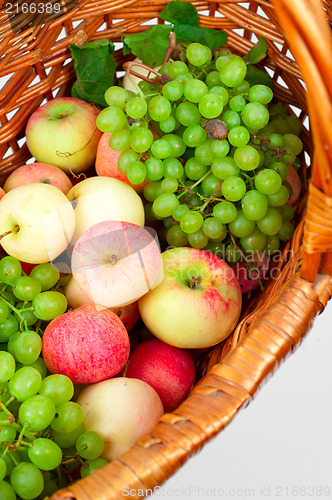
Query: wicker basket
point(35, 62)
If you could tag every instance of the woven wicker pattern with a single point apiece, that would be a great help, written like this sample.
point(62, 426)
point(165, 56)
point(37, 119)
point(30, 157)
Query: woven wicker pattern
point(35, 61)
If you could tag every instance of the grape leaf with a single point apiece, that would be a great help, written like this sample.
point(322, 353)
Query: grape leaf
point(150, 45)
point(180, 12)
point(256, 76)
point(257, 52)
point(206, 36)
point(95, 67)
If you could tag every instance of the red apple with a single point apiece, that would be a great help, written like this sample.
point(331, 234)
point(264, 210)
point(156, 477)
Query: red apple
point(86, 344)
point(107, 163)
point(115, 263)
point(39, 172)
point(294, 180)
point(2, 193)
point(63, 132)
point(169, 370)
point(251, 273)
point(198, 302)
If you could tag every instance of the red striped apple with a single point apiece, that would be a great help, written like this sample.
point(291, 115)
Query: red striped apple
point(198, 302)
point(38, 172)
point(63, 132)
point(115, 263)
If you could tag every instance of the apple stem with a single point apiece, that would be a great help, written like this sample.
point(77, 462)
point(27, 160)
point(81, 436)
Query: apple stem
point(113, 259)
point(15, 229)
point(193, 282)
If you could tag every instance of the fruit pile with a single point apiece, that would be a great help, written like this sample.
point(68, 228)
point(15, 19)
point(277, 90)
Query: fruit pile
point(42, 433)
point(215, 165)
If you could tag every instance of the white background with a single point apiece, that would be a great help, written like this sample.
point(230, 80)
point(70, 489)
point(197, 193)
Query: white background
point(280, 446)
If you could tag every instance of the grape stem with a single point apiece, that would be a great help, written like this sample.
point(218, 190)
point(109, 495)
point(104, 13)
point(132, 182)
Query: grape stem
point(127, 66)
point(189, 188)
point(171, 47)
point(16, 311)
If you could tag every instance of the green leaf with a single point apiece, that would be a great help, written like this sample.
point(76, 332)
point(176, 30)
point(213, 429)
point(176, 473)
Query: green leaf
point(180, 12)
point(256, 76)
point(150, 45)
point(257, 52)
point(207, 36)
point(95, 67)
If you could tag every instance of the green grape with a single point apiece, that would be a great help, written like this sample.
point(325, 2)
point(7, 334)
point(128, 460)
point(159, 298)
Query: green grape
point(233, 72)
point(213, 228)
point(184, 77)
point(280, 167)
point(268, 181)
point(27, 480)
point(216, 247)
point(169, 185)
point(125, 159)
point(194, 169)
point(213, 79)
point(254, 205)
point(161, 148)
point(159, 108)
point(198, 239)
point(238, 136)
point(116, 96)
point(169, 124)
point(68, 417)
point(294, 143)
point(271, 223)
point(136, 108)
point(25, 346)
point(152, 190)
point(276, 140)
point(225, 211)
point(148, 212)
point(178, 211)
point(39, 365)
point(194, 90)
point(222, 92)
point(134, 124)
point(90, 466)
point(154, 169)
point(178, 147)
point(89, 445)
point(237, 103)
point(47, 274)
point(210, 105)
point(224, 59)
point(247, 158)
point(176, 237)
point(279, 198)
point(7, 434)
point(287, 155)
point(9, 296)
point(232, 254)
point(45, 454)
point(194, 135)
point(67, 439)
point(231, 119)
point(294, 125)
point(173, 168)
point(243, 88)
point(254, 242)
point(241, 226)
point(287, 212)
point(191, 222)
point(210, 186)
point(136, 172)
point(8, 328)
point(286, 231)
point(272, 244)
point(164, 204)
point(187, 114)
point(50, 487)
point(111, 119)
point(7, 366)
point(203, 153)
point(260, 93)
point(255, 115)
point(28, 316)
point(3, 469)
point(26, 288)
point(198, 54)
point(177, 68)
point(233, 188)
point(4, 311)
point(9, 460)
point(6, 491)
point(25, 383)
point(220, 148)
point(141, 140)
point(57, 387)
point(48, 305)
point(280, 126)
point(224, 167)
point(120, 140)
point(37, 411)
point(10, 269)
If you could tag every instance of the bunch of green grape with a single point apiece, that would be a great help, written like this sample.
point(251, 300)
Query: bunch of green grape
point(214, 163)
point(42, 435)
